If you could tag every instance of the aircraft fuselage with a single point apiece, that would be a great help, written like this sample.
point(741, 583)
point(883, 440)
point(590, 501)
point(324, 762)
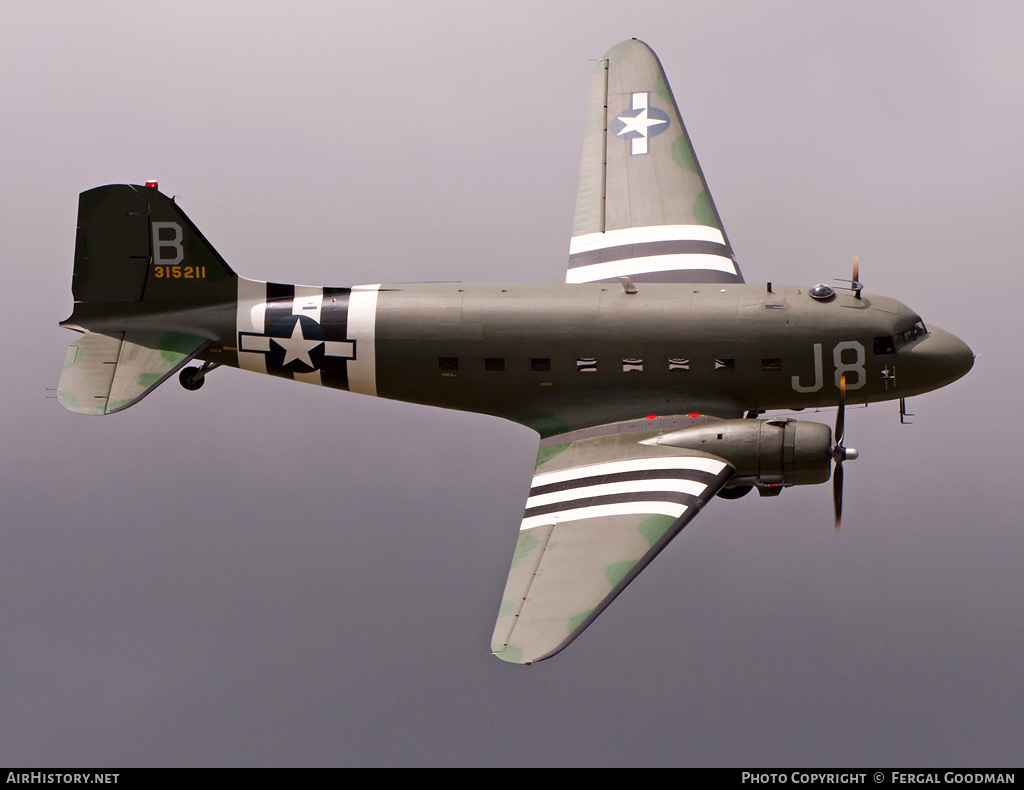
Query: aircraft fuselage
point(560, 357)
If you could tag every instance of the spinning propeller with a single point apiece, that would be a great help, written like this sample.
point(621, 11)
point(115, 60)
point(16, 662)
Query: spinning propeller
point(855, 284)
point(839, 452)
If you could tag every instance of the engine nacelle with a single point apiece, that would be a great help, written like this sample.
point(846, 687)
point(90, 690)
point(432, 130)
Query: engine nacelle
point(773, 452)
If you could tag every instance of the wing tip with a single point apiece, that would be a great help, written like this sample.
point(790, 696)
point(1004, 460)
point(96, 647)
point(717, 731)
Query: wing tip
point(510, 654)
point(627, 45)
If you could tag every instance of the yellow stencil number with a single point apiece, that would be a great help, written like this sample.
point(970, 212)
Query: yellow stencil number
point(180, 272)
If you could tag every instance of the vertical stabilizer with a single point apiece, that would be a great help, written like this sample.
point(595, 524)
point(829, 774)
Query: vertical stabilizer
point(150, 294)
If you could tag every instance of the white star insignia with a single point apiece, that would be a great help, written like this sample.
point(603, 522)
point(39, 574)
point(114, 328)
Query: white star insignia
point(297, 346)
point(640, 124)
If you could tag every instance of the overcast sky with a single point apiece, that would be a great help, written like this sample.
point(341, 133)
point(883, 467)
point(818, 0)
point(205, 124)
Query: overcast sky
point(269, 573)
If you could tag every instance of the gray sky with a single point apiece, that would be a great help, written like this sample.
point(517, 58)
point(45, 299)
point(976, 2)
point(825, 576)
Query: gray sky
point(267, 573)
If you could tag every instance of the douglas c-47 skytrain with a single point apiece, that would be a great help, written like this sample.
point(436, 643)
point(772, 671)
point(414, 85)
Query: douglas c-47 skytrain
point(644, 374)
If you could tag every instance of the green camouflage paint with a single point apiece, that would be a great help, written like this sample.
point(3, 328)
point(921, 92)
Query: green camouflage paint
point(545, 454)
point(507, 608)
point(577, 620)
point(509, 653)
point(174, 346)
point(654, 528)
point(620, 50)
point(682, 155)
point(703, 211)
point(147, 380)
point(662, 89)
point(526, 543)
point(617, 571)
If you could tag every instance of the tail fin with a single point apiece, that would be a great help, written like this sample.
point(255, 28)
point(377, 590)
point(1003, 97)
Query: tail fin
point(134, 244)
point(144, 281)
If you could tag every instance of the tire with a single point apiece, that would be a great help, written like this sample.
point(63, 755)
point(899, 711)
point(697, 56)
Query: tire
point(185, 377)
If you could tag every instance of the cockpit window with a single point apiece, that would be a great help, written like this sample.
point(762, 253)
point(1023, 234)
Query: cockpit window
point(888, 345)
point(916, 331)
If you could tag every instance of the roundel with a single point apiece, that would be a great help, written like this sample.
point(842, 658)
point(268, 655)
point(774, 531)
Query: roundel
point(297, 344)
point(644, 122)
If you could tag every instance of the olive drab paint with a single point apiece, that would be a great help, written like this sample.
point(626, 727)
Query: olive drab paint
point(644, 374)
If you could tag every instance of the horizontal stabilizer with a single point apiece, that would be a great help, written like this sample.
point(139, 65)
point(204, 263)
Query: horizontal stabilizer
point(104, 373)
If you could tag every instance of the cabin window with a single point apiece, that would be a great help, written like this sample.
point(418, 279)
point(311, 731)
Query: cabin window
point(494, 364)
point(586, 365)
point(540, 364)
point(678, 363)
point(633, 365)
point(725, 365)
point(448, 364)
point(771, 364)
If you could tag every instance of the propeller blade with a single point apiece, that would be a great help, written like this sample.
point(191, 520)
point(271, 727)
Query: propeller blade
point(841, 414)
point(856, 268)
point(840, 453)
point(837, 492)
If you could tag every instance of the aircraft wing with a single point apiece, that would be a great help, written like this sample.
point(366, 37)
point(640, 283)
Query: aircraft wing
point(600, 509)
point(643, 209)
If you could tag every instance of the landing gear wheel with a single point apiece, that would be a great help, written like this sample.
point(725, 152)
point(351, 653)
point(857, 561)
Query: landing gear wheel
point(186, 377)
point(735, 492)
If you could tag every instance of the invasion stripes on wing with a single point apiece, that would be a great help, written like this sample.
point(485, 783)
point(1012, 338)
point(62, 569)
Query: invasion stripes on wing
point(625, 509)
point(616, 477)
point(644, 250)
point(659, 486)
point(696, 463)
point(630, 266)
point(644, 235)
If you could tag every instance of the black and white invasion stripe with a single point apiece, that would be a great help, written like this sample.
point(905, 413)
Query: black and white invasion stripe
point(657, 486)
point(655, 253)
point(342, 320)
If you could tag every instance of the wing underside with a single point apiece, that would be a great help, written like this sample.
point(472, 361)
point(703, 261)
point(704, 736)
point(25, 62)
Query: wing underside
point(598, 512)
point(643, 208)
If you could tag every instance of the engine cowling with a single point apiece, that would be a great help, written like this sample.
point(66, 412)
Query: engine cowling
point(766, 453)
